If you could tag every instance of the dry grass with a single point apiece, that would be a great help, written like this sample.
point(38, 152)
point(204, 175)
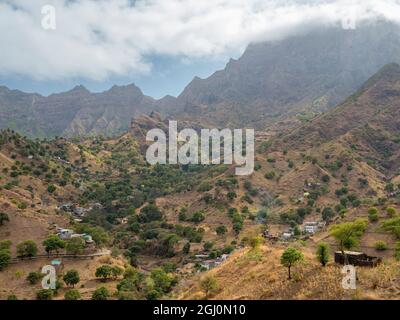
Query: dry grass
point(263, 278)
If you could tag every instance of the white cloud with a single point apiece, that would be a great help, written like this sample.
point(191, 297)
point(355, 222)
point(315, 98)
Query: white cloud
point(98, 38)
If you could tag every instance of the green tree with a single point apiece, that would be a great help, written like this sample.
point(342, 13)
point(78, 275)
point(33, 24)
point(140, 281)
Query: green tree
point(348, 234)
point(197, 217)
point(221, 230)
point(75, 246)
point(323, 253)
point(150, 213)
point(53, 243)
point(116, 271)
point(209, 285)
point(134, 276)
point(27, 249)
point(289, 258)
point(4, 218)
point(328, 214)
point(101, 294)
point(72, 295)
point(71, 278)
point(105, 272)
point(163, 282)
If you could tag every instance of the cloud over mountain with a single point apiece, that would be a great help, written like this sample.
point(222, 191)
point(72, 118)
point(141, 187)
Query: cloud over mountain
point(97, 39)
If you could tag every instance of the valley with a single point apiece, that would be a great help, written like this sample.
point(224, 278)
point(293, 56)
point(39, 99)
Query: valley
point(166, 227)
point(78, 193)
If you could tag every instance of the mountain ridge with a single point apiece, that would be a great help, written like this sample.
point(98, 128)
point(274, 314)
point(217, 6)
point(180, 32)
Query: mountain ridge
point(277, 84)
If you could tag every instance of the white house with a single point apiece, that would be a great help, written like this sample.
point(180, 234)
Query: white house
point(66, 234)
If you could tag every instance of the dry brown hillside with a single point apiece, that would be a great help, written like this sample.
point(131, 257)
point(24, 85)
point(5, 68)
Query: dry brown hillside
point(255, 276)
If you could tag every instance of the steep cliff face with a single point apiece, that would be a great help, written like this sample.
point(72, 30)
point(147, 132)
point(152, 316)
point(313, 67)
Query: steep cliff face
point(109, 112)
point(366, 124)
point(301, 75)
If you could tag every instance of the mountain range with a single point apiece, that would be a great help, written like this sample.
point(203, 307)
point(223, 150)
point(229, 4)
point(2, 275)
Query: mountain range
point(279, 84)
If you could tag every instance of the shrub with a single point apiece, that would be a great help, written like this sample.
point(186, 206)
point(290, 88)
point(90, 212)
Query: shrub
point(393, 226)
point(4, 218)
point(204, 186)
point(34, 277)
point(270, 175)
point(101, 294)
point(231, 195)
point(373, 214)
point(228, 249)
point(373, 211)
point(208, 245)
point(380, 245)
point(27, 249)
point(197, 217)
point(72, 295)
point(51, 188)
point(5, 258)
point(323, 253)
point(328, 214)
point(182, 216)
point(326, 178)
point(391, 212)
point(221, 230)
point(44, 294)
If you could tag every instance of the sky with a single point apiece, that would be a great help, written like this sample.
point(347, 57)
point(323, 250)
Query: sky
point(50, 46)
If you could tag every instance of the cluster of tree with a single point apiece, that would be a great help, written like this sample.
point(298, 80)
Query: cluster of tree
point(135, 285)
point(107, 272)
